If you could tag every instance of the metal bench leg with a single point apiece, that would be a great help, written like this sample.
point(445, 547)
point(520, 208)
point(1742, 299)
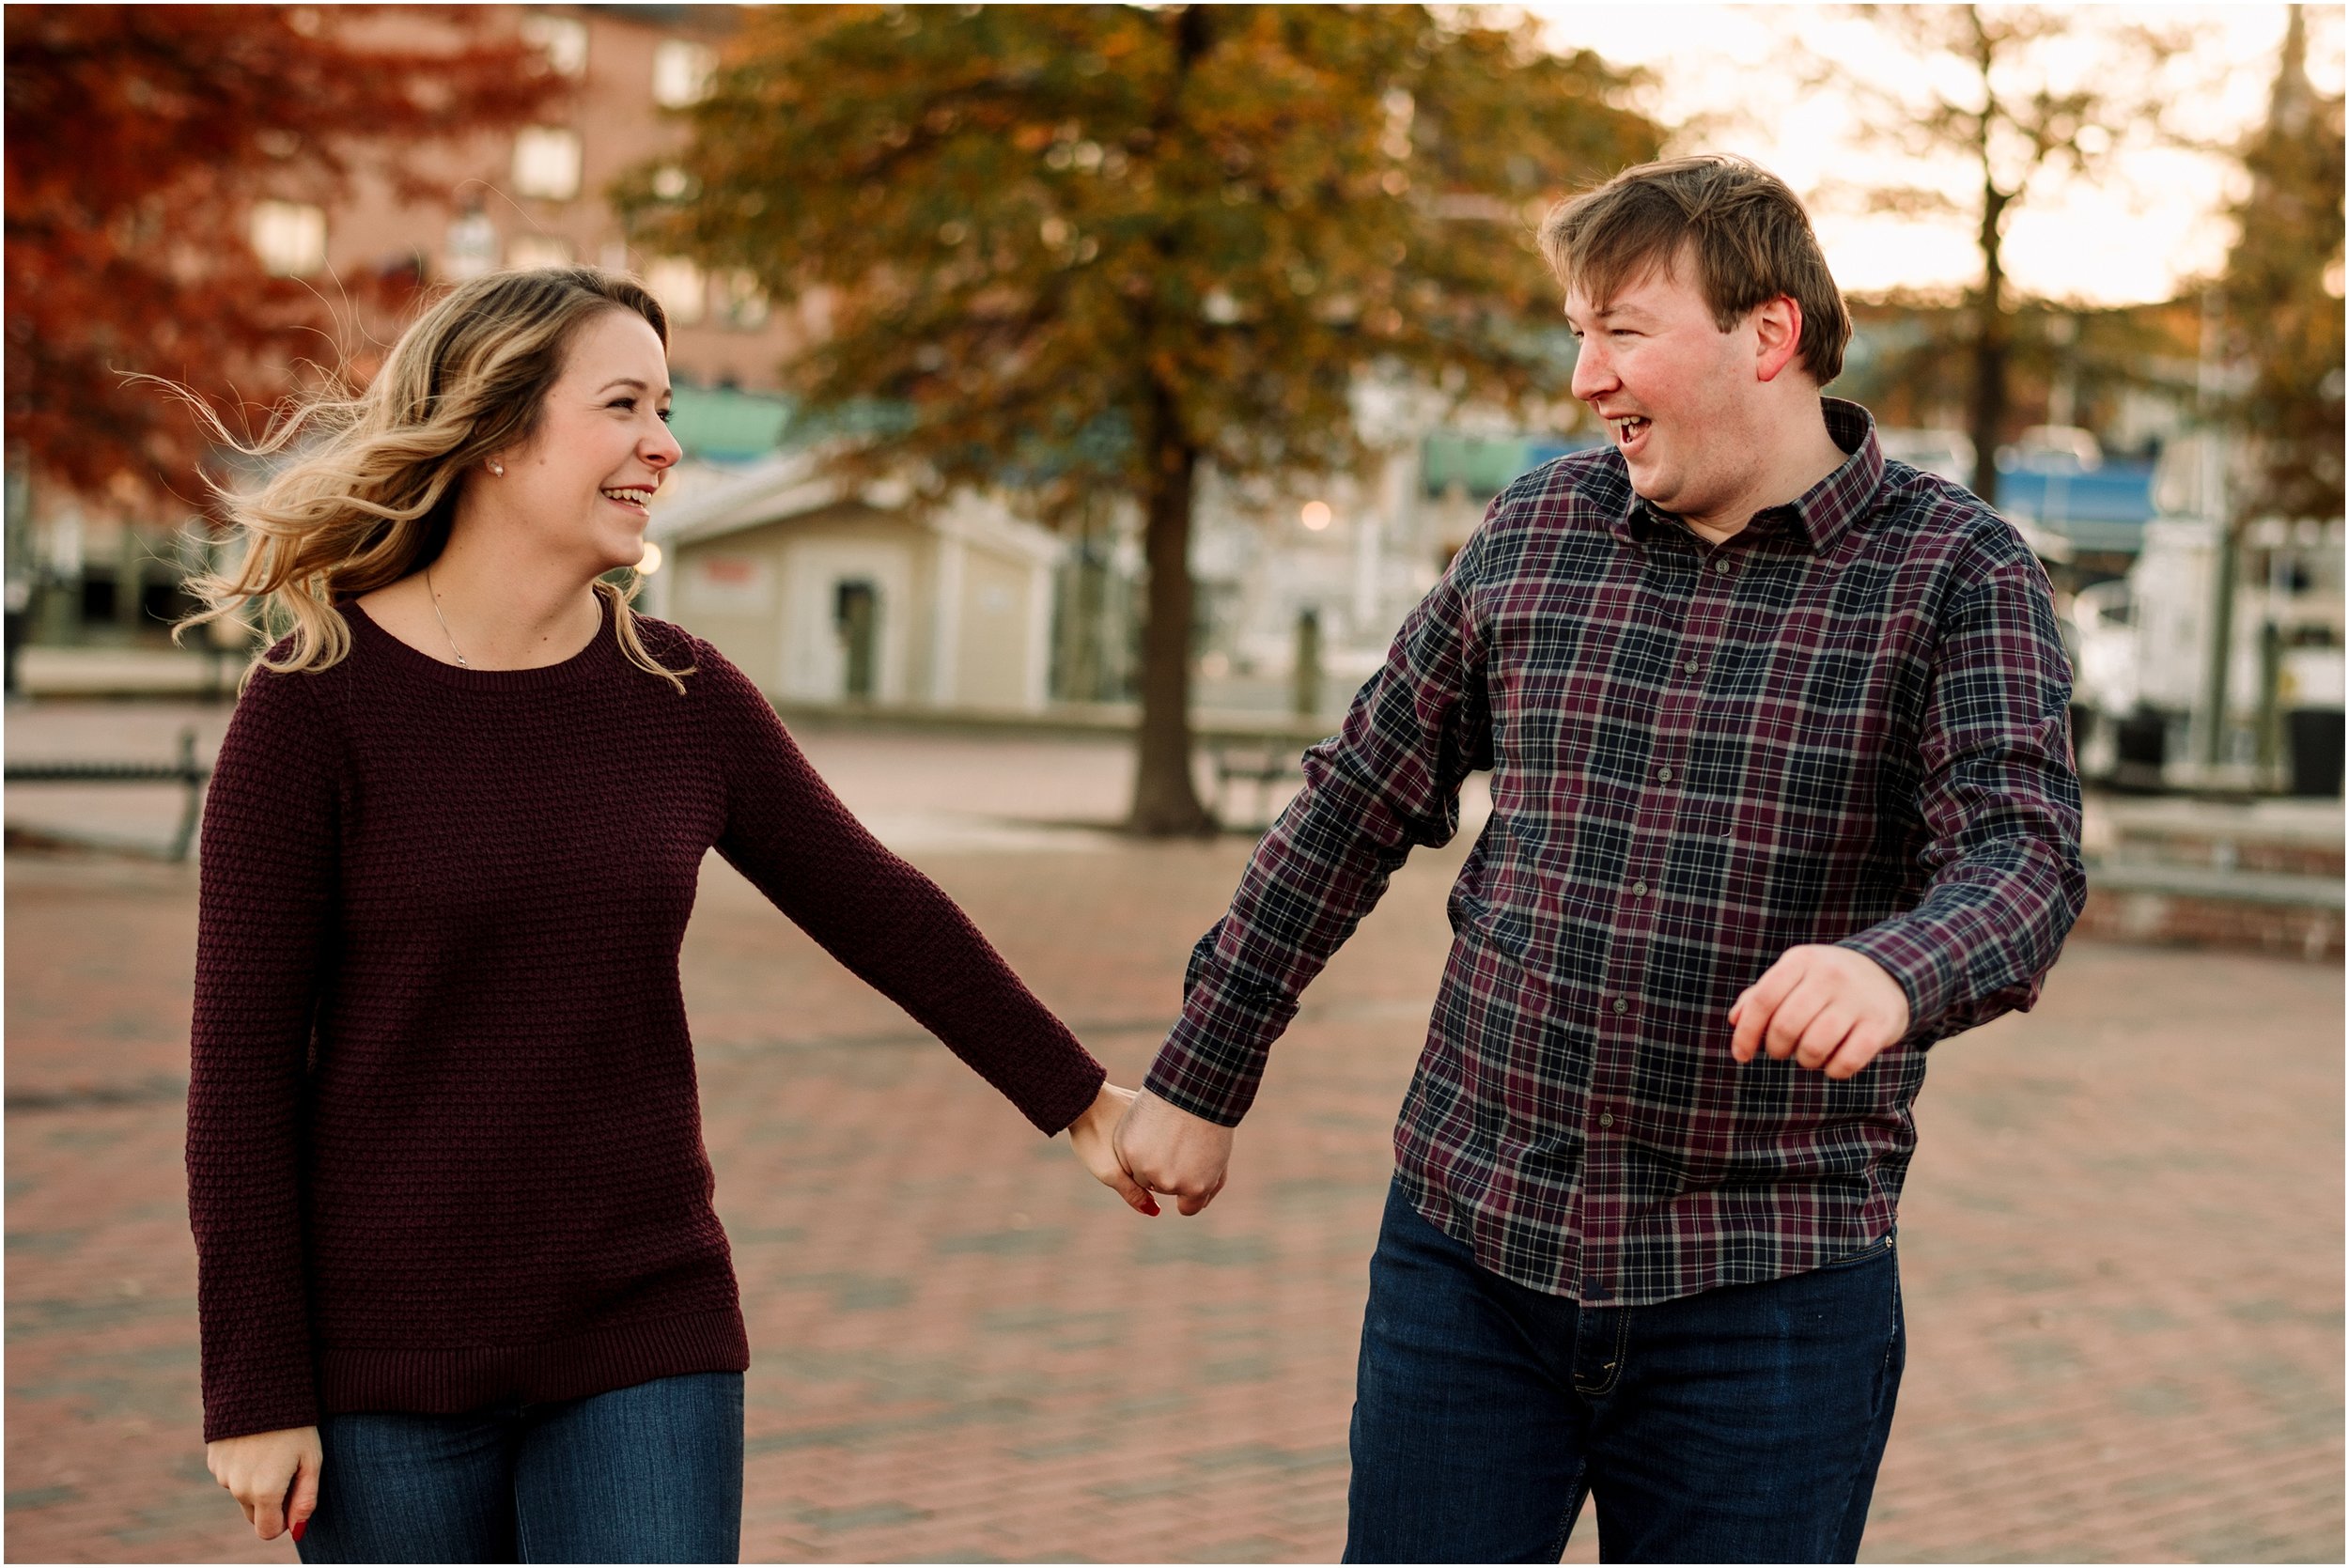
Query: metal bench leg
point(193, 809)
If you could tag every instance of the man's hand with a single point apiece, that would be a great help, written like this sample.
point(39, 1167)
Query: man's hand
point(256, 1470)
point(1172, 1151)
point(1089, 1134)
point(1829, 1008)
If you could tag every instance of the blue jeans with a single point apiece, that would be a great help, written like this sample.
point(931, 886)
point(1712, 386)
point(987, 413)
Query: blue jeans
point(651, 1473)
point(1742, 1424)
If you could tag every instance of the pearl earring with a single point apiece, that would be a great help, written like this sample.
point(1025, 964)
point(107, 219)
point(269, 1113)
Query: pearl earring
point(498, 468)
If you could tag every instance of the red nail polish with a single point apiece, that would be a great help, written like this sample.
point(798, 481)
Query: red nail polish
point(299, 1525)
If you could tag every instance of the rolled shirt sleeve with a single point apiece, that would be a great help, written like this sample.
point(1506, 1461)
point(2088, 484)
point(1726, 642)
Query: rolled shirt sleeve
point(2000, 800)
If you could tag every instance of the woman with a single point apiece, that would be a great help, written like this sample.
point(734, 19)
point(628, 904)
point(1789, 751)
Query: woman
point(463, 1294)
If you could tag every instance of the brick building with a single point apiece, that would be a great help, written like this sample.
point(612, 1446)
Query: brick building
point(536, 196)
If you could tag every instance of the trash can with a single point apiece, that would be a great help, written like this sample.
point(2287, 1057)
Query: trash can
point(2315, 737)
point(2141, 746)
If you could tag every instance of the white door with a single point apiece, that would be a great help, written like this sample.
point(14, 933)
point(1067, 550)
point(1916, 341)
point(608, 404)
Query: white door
point(843, 590)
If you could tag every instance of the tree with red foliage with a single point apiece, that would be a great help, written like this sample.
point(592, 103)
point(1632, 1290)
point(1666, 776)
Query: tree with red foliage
point(139, 138)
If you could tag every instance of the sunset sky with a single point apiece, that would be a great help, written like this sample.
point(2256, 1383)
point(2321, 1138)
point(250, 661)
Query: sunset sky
point(2138, 236)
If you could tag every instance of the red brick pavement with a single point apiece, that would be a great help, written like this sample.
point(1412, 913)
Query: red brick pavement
point(2121, 1253)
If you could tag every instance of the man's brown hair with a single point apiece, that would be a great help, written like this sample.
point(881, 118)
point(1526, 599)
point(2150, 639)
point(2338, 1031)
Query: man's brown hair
point(1748, 235)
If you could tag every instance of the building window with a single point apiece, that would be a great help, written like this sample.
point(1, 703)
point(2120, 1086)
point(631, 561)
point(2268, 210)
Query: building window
point(681, 73)
point(538, 250)
point(678, 284)
point(471, 248)
point(546, 162)
point(737, 301)
point(289, 237)
point(563, 39)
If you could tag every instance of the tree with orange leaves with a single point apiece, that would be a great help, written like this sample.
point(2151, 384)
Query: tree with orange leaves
point(1100, 249)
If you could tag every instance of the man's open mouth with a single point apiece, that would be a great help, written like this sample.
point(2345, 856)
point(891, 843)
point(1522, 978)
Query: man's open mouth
point(1628, 428)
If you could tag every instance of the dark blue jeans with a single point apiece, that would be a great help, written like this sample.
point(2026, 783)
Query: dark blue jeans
point(651, 1473)
point(1738, 1425)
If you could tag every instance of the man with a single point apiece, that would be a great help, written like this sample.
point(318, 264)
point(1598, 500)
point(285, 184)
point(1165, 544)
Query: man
point(1782, 794)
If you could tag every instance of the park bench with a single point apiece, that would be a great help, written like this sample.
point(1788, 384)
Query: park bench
point(1245, 755)
point(185, 770)
point(1264, 762)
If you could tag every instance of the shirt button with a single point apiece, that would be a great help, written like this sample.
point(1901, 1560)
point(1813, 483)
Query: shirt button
point(1639, 890)
point(1621, 1006)
point(1605, 1120)
point(1664, 775)
point(1690, 666)
point(1721, 567)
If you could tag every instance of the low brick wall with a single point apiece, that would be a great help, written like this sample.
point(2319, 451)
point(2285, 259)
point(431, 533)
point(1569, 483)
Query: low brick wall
point(2186, 920)
point(2236, 851)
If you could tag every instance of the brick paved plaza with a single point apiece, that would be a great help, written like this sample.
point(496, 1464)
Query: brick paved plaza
point(2122, 1249)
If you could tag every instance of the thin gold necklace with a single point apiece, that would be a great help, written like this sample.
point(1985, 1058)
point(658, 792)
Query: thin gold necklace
point(444, 620)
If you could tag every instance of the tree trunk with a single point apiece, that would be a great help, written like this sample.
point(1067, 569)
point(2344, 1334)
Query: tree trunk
point(1987, 406)
point(1166, 802)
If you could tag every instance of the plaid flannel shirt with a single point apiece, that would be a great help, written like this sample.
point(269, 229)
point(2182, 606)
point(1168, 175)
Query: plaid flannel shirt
point(1846, 723)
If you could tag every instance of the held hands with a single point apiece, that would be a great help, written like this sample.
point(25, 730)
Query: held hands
point(1138, 1144)
point(258, 1469)
point(1829, 1008)
point(1090, 1136)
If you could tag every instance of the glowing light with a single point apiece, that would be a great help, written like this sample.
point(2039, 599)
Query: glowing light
point(2141, 231)
point(650, 563)
point(1315, 516)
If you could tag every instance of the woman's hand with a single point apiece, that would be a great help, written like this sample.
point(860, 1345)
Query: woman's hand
point(258, 1469)
point(1089, 1135)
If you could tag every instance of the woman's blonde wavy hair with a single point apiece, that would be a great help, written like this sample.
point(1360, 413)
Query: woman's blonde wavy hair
point(370, 492)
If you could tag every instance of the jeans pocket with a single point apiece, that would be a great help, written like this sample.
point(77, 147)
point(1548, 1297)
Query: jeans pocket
point(1879, 1247)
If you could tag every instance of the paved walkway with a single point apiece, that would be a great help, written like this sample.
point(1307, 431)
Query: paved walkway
point(2122, 1251)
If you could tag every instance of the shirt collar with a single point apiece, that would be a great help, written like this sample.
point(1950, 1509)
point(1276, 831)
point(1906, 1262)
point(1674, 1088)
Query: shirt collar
point(1825, 511)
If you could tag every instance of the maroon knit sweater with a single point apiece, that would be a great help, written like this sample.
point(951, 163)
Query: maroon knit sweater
point(444, 1137)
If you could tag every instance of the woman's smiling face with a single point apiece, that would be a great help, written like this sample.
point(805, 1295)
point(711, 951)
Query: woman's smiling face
point(585, 482)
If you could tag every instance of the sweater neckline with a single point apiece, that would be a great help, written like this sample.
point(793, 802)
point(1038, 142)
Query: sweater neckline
point(581, 666)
